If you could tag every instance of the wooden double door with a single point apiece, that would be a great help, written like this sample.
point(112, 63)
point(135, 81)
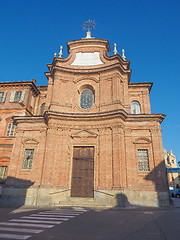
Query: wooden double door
point(82, 184)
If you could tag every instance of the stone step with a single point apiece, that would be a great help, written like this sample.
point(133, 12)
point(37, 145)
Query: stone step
point(79, 203)
point(65, 204)
point(78, 199)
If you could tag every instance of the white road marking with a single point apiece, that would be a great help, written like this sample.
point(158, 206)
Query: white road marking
point(65, 211)
point(13, 236)
point(24, 230)
point(48, 215)
point(47, 218)
point(81, 210)
point(55, 213)
point(33, 221)
point(27, 224)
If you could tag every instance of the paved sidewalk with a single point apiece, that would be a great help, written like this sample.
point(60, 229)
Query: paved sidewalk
point(176, 202)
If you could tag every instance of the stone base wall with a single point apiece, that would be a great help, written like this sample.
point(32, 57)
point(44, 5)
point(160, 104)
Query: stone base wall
point(102, 198)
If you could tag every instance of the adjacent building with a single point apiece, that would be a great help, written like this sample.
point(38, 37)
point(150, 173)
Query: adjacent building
point(88, 138)
point(172, 170)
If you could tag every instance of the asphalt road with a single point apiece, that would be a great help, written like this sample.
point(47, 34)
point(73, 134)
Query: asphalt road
point(90, 224)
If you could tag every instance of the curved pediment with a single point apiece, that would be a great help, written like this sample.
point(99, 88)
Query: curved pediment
point(30, 141)
point(9, 119)
point(87, 78)
point(4, 159)
point(85, 133)
point(142, 140)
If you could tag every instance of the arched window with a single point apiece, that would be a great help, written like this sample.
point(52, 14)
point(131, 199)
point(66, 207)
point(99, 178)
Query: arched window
point(86, 98)
point(135, 107)
point(42, 109)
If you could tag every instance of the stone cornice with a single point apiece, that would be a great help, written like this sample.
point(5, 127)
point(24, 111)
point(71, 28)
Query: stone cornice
point(106, 115)
point(121, 114)
point(159, 117)
point(118, 58)
point(29, 119)
point(87, 116)
point(141, 84)
point(89, 41)
point(107, 57)
point(20, 84)
point(92, 69)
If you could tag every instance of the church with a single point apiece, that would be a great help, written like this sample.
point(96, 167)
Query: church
point(88, 138)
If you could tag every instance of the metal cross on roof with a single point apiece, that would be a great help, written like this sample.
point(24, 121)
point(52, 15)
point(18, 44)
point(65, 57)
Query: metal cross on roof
point(88, 26)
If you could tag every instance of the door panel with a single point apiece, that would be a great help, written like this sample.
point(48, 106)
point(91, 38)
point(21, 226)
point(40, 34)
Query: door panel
point(82, 184)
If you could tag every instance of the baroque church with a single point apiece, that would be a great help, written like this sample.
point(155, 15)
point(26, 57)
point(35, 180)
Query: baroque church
point(88, 138)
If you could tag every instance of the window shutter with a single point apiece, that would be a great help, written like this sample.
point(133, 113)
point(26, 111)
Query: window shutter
point(12, 129)
point(9, 129)
point(4, 97)
point(12, 96)
point(22, 96)
point(32, 101)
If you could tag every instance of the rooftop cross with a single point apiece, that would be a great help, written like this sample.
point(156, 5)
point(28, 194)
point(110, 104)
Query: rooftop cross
point(88, 26)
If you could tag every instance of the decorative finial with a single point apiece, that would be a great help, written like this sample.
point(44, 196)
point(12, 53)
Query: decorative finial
point(60, 52)
point(55, 54)
point(115, 49)
point(123, 56)
point(88, 26)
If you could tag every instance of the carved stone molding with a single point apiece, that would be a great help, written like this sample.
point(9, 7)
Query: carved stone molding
point(118, 129)
point(30, 141)
point(86, 79)
point(155, 131)
point(109, 77)
point(142, 140)
point(128, 132)
point(85, 133)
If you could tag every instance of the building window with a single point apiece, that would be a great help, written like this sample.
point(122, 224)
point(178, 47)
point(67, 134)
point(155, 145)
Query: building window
point(2, 97)
point(18, 96)
point(3, 171)
point(135, 107)
point(10, 130)
point(42, 109)
point(28, 159)
point(143, 160)
point(86, 99)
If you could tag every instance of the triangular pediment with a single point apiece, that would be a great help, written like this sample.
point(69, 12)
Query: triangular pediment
point(85, 133)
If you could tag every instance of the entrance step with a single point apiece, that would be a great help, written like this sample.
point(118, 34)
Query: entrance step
point(79, 202)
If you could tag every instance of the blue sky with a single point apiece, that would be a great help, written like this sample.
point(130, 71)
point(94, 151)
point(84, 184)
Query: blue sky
point(149, 31)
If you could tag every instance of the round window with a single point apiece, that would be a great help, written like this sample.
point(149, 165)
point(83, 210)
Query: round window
point(86, 99)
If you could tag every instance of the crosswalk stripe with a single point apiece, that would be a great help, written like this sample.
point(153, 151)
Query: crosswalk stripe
point(55, 213)
point(65, 212)
point(48, 215)
point(33, 221)
point(27, 224)
point(46, 218)
point(82, 210)
point(24, 230)
point(13, 236)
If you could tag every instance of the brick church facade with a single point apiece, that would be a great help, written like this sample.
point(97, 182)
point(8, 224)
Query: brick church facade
point(88, 138)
